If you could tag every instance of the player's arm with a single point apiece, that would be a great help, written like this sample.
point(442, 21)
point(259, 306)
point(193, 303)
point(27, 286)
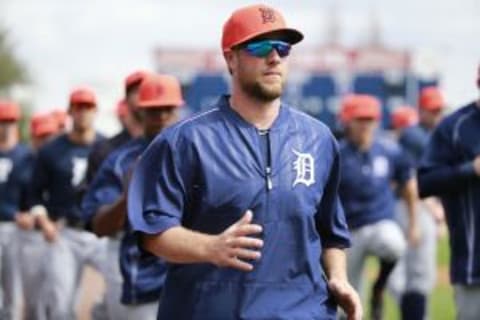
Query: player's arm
point(231, 248)
point(409, 194)
point(334, 237)
point(160, 192)
point(39, 185)
point(104, 205)
point(439, 172)
point(335, 265)
point(110, 218)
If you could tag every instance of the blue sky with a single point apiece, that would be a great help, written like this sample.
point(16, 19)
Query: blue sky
point(97, 42)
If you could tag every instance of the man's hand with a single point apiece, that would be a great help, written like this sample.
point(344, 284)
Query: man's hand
point(25, 221)
point(50, 231)
point(476, 165)
point(414, 234)
point(235, 244)
point(347, 298)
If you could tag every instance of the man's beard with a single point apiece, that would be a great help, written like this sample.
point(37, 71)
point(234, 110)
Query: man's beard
point(260, 92)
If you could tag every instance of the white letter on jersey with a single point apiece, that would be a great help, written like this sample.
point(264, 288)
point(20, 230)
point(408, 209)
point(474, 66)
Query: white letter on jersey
point(79, 169)
point(305, 169)
point(6, 166)
point(380, 166)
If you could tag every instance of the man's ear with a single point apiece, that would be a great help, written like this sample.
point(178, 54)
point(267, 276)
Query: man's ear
point(230, 60)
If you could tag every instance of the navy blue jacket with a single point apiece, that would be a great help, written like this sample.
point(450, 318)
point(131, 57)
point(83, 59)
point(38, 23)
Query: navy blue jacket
point(60, 168)
point(143, 273)
point(15, 173)
point(366, 184)
point(446, 171)
point(205, 172)
point(414, 141)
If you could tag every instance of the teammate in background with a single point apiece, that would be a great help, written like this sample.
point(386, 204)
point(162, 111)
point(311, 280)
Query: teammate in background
point(129, 119)
point(369, 166)
point(131, 128)
point(60, 166)
point(122, 113)
point(415, 276)
point(32, 249)
point(15, 164)
point(242, 200)
point(450, 169)
point(62, 119)
point(403, 117)
point(430, 107)
point(105, 202)
point(43, 127)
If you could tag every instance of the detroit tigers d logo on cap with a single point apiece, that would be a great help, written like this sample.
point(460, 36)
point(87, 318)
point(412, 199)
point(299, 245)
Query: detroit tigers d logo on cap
point(268, 15)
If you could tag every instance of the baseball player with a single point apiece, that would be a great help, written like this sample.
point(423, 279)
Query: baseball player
point(62, 119)
point(32, 249)
point(128, 115)
point(131, 125)
point(242, 200)
point(450, 169)
point(15, 171)
point(369, 166)
point(415, 275)
point(60, 167)
point(105, 202)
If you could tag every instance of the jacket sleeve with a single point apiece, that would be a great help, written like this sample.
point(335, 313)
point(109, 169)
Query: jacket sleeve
point(40, 179)
point(330, 218)
point(441, 171)
point(105, 188)
point(158, 189)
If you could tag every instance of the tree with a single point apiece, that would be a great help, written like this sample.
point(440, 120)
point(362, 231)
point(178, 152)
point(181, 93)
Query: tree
point(12, 71)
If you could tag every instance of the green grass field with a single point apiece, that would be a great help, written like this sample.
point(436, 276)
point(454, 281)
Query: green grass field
point(441, 301)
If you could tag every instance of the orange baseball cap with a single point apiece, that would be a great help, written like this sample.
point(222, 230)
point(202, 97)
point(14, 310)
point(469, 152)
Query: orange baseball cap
point(9, 111)
point(360, 106)
point(160, 91)
point(84, 96)
point(43, 124)
point(403, 117)
point(252, 21)
point(347, 104)
point(431, 99)
point(135, 78)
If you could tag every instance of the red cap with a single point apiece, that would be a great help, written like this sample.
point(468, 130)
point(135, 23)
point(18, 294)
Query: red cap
point(43, 124)
point(249, 22)
point(9, 111)
point(158, 91)
point(403, 117)
point(347, 104)
point(83, 95)
point(135, 78)
point(122, 109)
point(360, 106)
point(431, 99)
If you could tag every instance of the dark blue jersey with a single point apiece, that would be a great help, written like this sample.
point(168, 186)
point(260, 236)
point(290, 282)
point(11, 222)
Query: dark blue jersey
point(205, 172)
point(102, 149)
point(15, 173)
point(446, 171)
point(414, 141)
point(143, 273)
point(59, 169)
point(367, 176)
